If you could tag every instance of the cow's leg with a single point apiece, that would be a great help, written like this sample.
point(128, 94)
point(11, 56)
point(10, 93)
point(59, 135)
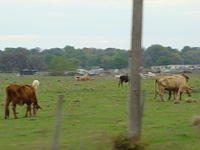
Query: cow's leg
point(179, 93)
point(156, 93)
point(34, 109)
point(161, 94)
point(14, 111)
point(174, 93)
point(157, 90)
point(180, 98)
point(26, 114)
point(120, 83)
point(170, 95)
point(7, 109)
point(28, 110)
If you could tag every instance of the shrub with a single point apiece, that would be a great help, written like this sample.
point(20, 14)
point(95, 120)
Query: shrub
point(122, 142)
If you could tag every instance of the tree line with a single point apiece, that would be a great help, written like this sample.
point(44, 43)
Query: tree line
point(70, 58)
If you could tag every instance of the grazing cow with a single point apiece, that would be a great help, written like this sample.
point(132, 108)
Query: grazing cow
point(83, 78)
point(35, 84)
point(185, 89)
point(21, 94)
point(175, 83)
point(170, 91)
point(123, 78)
point(157, 78)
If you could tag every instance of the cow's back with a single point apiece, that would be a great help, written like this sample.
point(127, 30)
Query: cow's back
point(12, 92)
point(172, 82)
point(21, 92)
point(27, 93)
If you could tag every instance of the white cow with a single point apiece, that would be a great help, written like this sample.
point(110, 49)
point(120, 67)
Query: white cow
point(150, 75)
point(117, 76)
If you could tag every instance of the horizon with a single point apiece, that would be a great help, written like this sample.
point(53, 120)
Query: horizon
point(94, 47)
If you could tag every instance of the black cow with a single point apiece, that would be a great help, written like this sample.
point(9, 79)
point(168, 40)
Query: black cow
point(123, 78)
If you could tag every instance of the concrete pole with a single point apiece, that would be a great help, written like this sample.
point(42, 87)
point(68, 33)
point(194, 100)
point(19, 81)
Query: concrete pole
point(135, 61)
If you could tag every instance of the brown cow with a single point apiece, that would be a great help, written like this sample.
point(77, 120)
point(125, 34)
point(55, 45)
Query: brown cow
point(175, 83)
point(21, 94)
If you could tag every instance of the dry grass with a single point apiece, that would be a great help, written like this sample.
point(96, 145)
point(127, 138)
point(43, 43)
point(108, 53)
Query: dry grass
point(196, 121)
point(191, 100)
point(122, 142)
point(176, 102)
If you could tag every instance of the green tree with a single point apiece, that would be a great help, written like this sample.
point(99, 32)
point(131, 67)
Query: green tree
point(159, 55)
point(58, 65)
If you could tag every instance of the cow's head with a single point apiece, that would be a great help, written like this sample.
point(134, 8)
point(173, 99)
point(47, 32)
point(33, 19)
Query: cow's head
point(188, 90)
point(36, 108)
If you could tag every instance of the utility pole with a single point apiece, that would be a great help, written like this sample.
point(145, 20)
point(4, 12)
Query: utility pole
point(135, 61)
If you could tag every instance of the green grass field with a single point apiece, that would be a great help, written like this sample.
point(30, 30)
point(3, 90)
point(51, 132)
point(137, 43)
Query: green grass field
point(93, 113)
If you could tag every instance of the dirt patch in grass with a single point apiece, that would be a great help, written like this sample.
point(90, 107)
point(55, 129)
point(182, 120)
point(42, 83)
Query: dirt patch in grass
point(196, 121)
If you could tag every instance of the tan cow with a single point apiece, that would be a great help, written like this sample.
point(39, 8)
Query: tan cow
point(175, 83)
point(170, 91)
point(83, 78)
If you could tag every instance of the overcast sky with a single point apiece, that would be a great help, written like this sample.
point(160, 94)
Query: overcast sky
point(97, 23)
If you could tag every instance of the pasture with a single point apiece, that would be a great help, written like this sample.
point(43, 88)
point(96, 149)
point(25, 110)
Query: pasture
point(94, 112)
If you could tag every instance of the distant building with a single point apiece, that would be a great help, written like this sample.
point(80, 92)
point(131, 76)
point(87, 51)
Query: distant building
point(28, 72)
point(95, 71)
point(82, 71)
point(175, 68)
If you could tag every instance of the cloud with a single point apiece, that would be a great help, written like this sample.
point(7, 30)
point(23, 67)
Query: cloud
point(165, 2)
point(17, 37)
point(66, 3)
point(172, 3)
point(29, 37)
point(36, 40)
point(192, 13)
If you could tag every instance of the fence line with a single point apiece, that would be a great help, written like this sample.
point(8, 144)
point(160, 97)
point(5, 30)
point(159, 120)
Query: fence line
point(58, 120)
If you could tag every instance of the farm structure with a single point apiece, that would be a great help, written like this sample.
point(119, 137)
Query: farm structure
point(176, 68)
